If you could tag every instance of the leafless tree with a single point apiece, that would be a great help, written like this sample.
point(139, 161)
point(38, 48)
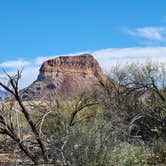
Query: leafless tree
point(8, 128)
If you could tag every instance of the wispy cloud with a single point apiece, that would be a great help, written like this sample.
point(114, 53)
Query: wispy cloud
point(123, 56)
point(106, 57)
point(149, 33)
point(15, 64)
point(40, 59)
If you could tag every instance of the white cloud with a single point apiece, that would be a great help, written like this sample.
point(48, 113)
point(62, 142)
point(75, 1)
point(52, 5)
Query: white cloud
point(29, 75)
point(150, 33)
point(106, 57)
point(15, 64)
point(122, 56)
point(40, 59)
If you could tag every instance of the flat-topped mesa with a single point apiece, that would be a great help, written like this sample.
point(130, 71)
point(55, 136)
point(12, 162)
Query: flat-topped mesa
point(64, 77)
point(82, 64)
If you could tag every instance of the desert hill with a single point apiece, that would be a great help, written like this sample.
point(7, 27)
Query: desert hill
point(65, 76)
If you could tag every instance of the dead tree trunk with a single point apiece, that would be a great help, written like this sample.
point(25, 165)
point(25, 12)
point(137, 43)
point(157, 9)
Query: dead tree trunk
point(13, 90)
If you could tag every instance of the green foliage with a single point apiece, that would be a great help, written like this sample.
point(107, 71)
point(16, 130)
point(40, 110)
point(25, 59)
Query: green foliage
point(122, 123)
point(87, 145)
point(125, 154)
point(97, 128)
point(158, 149)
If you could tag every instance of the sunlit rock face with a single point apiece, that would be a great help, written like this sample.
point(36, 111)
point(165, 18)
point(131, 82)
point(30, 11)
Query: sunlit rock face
point(64, 77)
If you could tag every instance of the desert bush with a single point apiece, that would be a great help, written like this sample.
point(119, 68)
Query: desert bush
point(125, 154)
point(86, 140)
point(135, 97)
point(103, 127)
point(158, 151)
point(85, 146)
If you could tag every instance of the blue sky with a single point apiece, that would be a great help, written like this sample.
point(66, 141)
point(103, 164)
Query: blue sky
point(34, 30)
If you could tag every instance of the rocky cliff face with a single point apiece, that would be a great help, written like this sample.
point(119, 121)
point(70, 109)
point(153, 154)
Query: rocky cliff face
point(65, 76)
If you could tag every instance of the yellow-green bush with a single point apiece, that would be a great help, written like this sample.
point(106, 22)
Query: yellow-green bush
point(126, 154)
point(158, 150)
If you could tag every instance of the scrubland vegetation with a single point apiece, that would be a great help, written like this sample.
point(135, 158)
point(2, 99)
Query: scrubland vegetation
point(121, 123)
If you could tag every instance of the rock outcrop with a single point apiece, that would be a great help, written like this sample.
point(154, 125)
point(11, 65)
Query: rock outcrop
point(64, 77)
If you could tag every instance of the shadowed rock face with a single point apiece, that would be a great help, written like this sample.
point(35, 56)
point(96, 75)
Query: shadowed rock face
point(64, 77)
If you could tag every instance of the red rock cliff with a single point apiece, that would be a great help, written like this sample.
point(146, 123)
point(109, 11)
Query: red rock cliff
point(65, 76)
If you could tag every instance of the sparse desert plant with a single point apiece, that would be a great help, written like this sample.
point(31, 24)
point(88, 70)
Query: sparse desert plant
point(85, 145)
point(103, 127)
point(158, 150)
point(10, 128)
point(125, 154)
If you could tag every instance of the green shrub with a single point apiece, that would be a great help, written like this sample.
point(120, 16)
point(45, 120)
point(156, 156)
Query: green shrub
point(126, 154)
point(158, 149)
